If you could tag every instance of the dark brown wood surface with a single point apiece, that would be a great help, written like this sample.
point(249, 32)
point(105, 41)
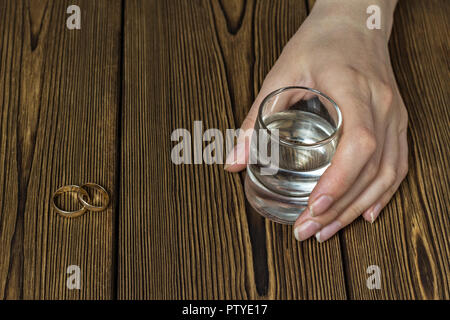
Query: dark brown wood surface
point(99, 104)
point(59, 93)
point(410, 241)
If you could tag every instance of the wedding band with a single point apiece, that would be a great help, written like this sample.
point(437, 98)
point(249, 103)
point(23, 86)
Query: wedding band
point(85, 203)
point(69, 188)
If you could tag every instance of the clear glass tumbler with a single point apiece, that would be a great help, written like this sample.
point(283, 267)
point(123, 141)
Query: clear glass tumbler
point(303, 127)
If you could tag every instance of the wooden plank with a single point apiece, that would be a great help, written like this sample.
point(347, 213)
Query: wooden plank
point(58, 122)
point(409, 241)
point(185, 231)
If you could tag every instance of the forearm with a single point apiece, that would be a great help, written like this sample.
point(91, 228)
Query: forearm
point(354, 12)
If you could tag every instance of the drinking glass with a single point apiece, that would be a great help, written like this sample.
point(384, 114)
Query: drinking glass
point(300, 128)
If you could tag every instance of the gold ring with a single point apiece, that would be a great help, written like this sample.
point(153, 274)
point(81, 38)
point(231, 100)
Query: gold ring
point(69, 188)
point(86, 204)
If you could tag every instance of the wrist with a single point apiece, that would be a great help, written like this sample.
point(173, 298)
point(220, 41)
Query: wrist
point(353, 13)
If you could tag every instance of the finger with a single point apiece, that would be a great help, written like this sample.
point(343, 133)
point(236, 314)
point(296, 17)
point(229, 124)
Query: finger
point(356, 147)
point(304, 229)
point(363, 181)
point(381, 102)
point(367, 177)
point(237, 158)
point(383, 182)
point(402, 170)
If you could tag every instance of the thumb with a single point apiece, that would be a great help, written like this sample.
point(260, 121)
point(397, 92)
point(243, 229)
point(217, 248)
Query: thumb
point(238, 157)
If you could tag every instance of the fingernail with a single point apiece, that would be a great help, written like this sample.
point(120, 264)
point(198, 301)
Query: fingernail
point(236, 156)
point(320, 205)
point(306, 230)
point(318, 236)
point(375, 212)
point(328, 231)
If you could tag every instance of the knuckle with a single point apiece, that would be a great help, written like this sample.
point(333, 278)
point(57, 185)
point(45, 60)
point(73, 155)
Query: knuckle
point(371, 169)
point(339, 180)
point(403, 170)
point(403, 111)
point(367, 140)
point(386, 94)
point(405, 116)
point(389, 177)
point(360, 80)
point(404, 119)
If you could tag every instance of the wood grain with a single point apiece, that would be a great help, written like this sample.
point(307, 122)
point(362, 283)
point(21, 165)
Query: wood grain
point(185, 231)
point(59, 91)
point(410, 239)
point(100, 104)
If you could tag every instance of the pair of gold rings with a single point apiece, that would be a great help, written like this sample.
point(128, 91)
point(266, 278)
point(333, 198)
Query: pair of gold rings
point(83, 197)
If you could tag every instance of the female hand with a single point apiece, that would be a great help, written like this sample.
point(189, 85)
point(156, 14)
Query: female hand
point(334, 52)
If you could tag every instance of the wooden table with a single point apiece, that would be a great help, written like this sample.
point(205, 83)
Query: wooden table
point(99, 104)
